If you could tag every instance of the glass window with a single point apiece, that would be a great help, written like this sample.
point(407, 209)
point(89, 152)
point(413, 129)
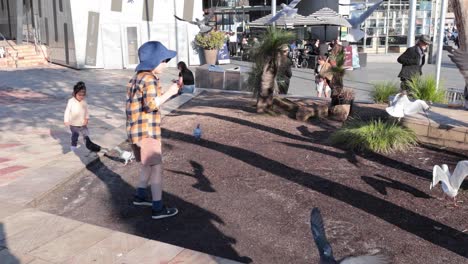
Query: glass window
point(132, 45)
point(54, 7)
point(116, 5)
point(39, 7)
point(60, 6)
point(148, 6)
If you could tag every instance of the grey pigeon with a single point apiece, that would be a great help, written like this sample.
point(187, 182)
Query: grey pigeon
point(325, 249)
point(288, 10)
point(201, 23)
point(355, 33)
point(460, 59)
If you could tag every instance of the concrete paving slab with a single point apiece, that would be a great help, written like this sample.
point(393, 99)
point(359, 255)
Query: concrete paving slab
point(39, 234)
point(7, 209)
point(72, 243)
point(109, 250)
point(151, 252)
point(21, 221)
point(7, 257)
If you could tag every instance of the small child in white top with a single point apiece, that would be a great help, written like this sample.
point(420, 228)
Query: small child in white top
point(76, 114)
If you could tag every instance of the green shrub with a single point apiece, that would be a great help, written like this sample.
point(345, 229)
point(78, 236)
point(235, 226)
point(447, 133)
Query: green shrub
point(425, 88)
point(211, 40)
point(382, 90)
point(377, 136)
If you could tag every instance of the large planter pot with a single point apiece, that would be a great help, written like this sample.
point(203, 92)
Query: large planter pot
point(210, 56)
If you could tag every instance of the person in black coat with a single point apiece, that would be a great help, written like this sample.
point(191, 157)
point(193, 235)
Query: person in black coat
point(412, 61)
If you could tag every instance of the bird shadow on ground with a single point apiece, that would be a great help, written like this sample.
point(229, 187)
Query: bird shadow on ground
point(203, 183)
point(194, 228)
point(382, 185)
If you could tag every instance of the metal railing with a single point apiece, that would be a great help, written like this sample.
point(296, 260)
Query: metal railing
point(14, 56)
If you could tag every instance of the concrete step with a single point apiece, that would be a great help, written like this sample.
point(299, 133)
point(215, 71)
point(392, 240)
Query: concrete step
point(443, 127)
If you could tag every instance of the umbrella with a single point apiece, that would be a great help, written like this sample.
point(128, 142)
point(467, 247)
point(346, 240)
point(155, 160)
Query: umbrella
point(287, 22)
point(329, 18)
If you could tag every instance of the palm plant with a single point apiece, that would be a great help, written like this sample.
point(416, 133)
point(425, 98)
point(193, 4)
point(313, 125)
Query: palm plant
point(266, 58)
point(425, 88)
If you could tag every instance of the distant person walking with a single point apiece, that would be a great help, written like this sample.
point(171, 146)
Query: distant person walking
point(412, 61)
point(144, 100)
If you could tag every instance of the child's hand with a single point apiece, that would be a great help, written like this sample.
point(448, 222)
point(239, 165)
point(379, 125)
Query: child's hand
point(85, 123)
point(67, 123)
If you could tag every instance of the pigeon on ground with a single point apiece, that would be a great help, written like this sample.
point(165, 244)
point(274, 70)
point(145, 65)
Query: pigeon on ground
point(450, 182)
point(460, 59)
point(325, 250)
point(401, 106)
point(201, 23)
point(288, 10)
point(127, 156)
point(355, 33)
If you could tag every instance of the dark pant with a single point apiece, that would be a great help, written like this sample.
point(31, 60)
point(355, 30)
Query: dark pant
point(233, 48)
point(76, 131)
point(404, 84)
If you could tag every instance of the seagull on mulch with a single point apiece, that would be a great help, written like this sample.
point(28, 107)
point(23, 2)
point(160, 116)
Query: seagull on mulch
point(325, 250)
point(450, 182)
point(201, 23)
point(460, 59)
point(401, 106)
point(288, 10)
point(355, 33)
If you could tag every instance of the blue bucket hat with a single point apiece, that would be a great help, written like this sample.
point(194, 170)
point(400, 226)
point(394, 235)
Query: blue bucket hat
point(151, 54)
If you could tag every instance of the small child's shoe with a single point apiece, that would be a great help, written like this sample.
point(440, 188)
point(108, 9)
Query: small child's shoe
point(73, 148)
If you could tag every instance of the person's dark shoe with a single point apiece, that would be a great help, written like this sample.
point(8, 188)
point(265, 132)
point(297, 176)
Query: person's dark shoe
point(137, 200)
point(164, 212)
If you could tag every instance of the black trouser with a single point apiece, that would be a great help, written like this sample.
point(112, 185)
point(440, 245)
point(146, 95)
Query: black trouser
point(76, 130)
point(233, 48)
point(404, 84)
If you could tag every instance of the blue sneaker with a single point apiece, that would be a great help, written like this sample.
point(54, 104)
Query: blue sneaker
point(164, 212)
point(137, 200)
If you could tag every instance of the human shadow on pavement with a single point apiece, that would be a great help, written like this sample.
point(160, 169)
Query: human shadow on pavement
point(401, 217)
point(192, 228)
point(382, 185)
point(5, 255)
point(203, 183)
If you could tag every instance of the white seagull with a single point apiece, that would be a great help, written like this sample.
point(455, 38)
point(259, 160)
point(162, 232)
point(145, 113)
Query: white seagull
point(325, 250)
point(287, 10)
point(201, 23)
point(450, 182)
point(127, 156)
point(401, 106)
point(355, 33)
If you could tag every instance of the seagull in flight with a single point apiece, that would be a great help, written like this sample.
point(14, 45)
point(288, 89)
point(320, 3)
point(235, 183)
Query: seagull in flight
point(287, 10)
point(355, 33)
point(325, 249)
point(460, 59)
point(450, 182)
point(201, 23)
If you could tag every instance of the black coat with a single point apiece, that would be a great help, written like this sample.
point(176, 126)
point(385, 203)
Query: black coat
point(410, 63)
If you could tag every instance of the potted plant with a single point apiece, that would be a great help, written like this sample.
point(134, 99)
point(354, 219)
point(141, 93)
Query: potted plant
point(210, 42)
point(342, 98)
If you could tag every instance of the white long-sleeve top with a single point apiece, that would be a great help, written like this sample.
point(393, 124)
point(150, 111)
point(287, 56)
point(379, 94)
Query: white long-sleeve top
point(76, 112)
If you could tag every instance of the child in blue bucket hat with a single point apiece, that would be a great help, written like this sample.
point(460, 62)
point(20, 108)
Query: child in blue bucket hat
point(143, 111)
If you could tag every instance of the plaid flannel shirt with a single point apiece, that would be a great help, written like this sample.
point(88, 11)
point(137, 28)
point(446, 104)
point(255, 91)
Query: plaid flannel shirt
point(143, 115)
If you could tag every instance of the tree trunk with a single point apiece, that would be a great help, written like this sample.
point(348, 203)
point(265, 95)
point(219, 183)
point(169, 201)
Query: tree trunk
point(460, 8)
point(267, 87)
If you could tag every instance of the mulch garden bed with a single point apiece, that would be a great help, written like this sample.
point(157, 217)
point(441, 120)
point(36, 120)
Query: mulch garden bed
point(245, 191)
